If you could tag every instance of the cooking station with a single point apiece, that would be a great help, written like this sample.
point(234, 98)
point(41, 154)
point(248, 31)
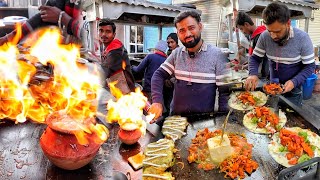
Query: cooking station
point(22, 158)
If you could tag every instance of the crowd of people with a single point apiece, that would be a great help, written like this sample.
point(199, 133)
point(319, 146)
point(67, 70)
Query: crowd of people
point(186, 79)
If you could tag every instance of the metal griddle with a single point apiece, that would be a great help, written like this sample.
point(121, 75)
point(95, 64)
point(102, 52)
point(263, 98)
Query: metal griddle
point(268, 168)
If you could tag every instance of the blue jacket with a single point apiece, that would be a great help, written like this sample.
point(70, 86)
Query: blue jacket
point(149, 65)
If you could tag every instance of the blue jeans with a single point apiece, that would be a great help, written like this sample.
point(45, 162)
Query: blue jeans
point(295, 96)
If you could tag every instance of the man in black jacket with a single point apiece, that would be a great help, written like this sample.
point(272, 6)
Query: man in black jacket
point(247, 27)
point(114, 58)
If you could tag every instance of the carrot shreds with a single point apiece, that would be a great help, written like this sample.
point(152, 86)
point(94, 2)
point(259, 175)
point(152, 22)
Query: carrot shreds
point(246, 98)
point(199, 151)
point(296, 144)
point(273, 88)
point(235, 166)
point(241, 161)
point(263, 115)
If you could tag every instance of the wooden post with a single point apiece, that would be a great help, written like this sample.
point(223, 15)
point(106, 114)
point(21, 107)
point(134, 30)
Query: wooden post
point(306, 25)
point(160, 31)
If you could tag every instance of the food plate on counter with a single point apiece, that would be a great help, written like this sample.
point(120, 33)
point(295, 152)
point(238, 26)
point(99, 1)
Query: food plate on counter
point(294, 145)
point(272, 88)
point(246, 100)
point(263, 120)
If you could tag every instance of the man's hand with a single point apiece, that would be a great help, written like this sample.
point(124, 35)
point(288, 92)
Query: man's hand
point(251, 82)
point(49, 14)
point(288, 86)
point(156, 109)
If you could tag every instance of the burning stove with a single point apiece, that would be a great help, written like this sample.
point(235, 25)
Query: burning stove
point(46, 84)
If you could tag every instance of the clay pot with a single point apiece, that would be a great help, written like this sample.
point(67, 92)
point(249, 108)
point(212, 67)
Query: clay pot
point(64, 151)
point(129, 137)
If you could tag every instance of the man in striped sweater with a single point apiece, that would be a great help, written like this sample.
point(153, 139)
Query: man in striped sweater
point(289, 50)
point(198, 68)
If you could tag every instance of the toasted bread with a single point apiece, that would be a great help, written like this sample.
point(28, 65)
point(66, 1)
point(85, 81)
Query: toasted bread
point(136, 161)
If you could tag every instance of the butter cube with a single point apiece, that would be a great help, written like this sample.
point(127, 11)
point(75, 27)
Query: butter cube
point(219, 152)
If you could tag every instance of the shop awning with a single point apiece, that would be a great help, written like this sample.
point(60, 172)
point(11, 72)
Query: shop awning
point(139, 11)
point(299, 9)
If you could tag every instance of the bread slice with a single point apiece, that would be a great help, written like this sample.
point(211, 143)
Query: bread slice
point(136, 161)
point(174, 127)
point(158, 157)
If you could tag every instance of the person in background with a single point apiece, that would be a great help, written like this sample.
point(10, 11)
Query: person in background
point(289, 50)
point(244, 42)
point(198, 68)
point(172, 41)
point(66, 14)
point(149, 65)
point(114, 58)
point(3, 3)
point(247, 27)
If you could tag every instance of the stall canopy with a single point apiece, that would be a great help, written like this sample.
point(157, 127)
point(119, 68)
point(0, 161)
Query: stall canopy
point(299, 9)
point(140, 11)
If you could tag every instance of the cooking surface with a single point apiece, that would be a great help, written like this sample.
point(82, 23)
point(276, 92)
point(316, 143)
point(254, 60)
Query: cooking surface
point(268, 168)
point(21, 156)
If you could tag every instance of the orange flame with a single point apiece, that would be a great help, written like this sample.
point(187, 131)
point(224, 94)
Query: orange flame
point(73, 88)
point(127, 111)
point(18, 34)
point(124, 64)
point(16, 100)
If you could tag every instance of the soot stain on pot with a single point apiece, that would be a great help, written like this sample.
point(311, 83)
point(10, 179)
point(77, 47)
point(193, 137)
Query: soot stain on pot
point(127, 151)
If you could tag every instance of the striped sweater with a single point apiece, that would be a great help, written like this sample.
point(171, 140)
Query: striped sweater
point(294, 61)
point(197, 80)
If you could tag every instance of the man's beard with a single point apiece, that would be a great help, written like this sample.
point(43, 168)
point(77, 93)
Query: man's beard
point(283, 40)
point(192, 43)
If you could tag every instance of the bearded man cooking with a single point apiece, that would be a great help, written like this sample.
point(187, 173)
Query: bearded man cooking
point(198, 68)
point(289, 50)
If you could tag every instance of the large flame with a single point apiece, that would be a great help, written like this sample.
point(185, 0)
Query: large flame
point(72, 89)
point(127, 111)
point(16, 101)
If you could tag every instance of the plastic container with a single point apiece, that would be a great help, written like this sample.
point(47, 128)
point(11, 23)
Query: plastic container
point(308, 86)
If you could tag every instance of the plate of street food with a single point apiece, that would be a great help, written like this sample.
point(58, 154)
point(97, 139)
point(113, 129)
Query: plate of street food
point(272, 88)
point(246, 100)
point(232, 155)
point(264, 120)
point(294, 145)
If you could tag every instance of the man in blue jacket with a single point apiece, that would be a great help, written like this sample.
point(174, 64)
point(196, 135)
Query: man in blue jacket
point(289, 50)
point(150, 64)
